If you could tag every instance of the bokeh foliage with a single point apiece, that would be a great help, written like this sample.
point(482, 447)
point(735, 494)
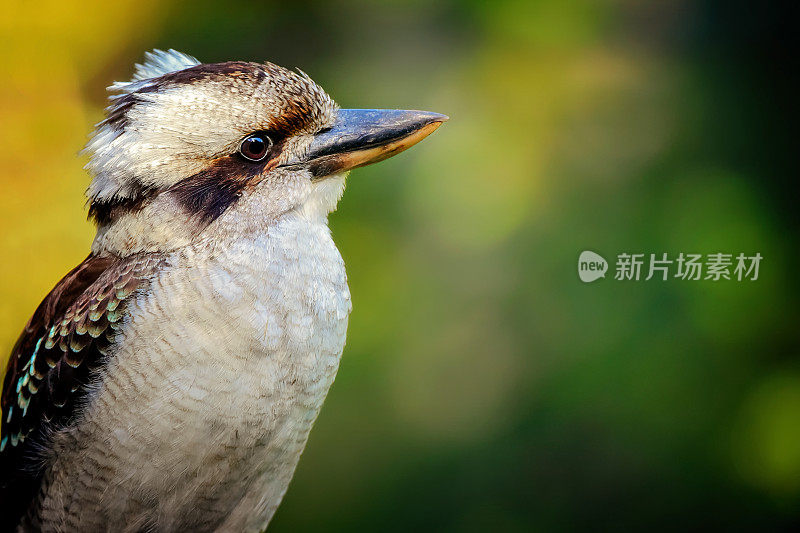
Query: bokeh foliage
point(484, 387)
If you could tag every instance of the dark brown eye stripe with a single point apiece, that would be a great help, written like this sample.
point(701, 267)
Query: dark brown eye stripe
point(209, 193)
point(104, 211)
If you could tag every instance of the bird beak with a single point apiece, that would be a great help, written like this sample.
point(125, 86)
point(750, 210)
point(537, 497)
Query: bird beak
point(363, 136)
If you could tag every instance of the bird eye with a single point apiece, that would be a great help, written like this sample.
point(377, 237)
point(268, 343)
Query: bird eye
point(255, 147)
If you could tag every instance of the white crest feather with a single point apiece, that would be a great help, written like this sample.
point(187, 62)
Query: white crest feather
point(158, 62)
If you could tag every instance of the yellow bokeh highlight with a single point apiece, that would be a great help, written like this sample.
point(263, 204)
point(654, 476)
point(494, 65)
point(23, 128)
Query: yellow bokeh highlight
point(766, 441)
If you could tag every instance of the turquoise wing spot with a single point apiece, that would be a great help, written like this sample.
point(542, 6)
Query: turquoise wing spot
point(23, 402)
point(76, 344)
point(96, 330)
point(51, 341)
point(31, 370)
point(3, 443)
point(8, 416)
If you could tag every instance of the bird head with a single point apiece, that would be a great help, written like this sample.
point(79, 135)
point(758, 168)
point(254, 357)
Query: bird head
point(186, 145)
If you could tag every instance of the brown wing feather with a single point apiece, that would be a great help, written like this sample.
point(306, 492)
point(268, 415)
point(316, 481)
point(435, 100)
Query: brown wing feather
point(68, 336)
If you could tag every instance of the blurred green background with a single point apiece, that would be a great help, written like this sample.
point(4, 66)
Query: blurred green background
point(483, 386)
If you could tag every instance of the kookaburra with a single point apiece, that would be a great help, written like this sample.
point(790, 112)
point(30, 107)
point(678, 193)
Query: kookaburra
point(169, 382)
